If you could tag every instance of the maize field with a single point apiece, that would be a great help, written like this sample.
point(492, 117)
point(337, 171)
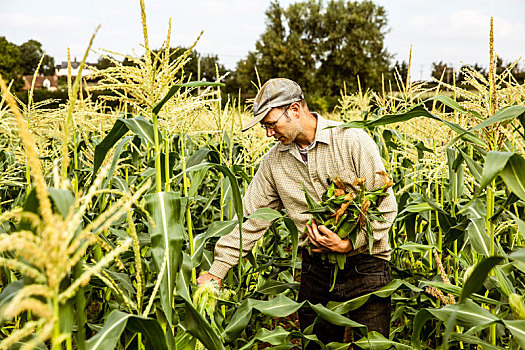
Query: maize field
point(108, 216)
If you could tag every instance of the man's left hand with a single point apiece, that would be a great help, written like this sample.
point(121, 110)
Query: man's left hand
point(326, 240)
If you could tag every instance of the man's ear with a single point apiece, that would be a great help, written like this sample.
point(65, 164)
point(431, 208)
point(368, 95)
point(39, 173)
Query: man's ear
point(296, 109)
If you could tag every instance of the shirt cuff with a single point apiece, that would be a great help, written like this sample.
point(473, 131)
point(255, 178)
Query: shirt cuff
point(219, 269)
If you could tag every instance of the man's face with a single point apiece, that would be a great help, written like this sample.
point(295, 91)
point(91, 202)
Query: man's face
point(281, 125)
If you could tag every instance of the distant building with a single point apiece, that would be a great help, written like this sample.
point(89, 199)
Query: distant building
point(61, 69)
point(49, 82)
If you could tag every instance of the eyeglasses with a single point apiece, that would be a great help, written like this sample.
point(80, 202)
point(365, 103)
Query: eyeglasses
point(271, 126)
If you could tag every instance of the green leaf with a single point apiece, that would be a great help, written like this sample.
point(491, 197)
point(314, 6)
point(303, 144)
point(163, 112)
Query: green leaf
point(417, 208)
point(116, 157)
point(455, 175)
point(294, 234)
point(509, 166)
point(266, 214)
point(389, 289)
point(117, 321)
point(417, 248)
point(417, 111)
point(506, 113)
point(471, 339)
point(478, 276)
point(517, 328)
point(173, 90)
point(184, 277)
point(118, 130)
point(335, 318)
point(475, 169)
point(167, 212)
point(518, 258)
point(376, 341)
point(477, 235)
point(280, 306)
point(456, 291)
point(495, 162)
point(422, 316)
point(505, 284)
point(273, 287)
point(454, 105)
point(513, 176)
point(62, 199)
point(520, 223)
point(312, 204)
point(216, 229)
point(143, 128)
point(276, 336)
point(468, 314)
point(8, 293)
point(40, 345)
point(197, 325)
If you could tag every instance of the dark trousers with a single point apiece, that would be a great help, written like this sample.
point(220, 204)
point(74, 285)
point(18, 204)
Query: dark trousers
point(362, 274)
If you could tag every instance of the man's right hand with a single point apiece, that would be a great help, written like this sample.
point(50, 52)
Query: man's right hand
point(207, 277)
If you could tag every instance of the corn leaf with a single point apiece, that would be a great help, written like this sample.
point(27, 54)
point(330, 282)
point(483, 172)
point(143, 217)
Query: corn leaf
point(468, 314)
point(517, 328)
point(506, 113)
point(216, 229)
point(199, 327)
point(386, 291)
point(471, 339)
point(477, 235)
point(117, 321)
point(8, 293)
point(118, 130)
point(478, 276)
point(510, 166)
point(376, 341)
point(417, 111)
point(276, 336)
point(167, 212)
point(294, 234)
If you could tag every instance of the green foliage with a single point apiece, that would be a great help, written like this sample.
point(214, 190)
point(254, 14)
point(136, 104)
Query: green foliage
point(321, 46)
point(31, 53)
point(10, 61)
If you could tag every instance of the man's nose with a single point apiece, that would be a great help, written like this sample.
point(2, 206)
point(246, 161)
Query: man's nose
point(270, 132)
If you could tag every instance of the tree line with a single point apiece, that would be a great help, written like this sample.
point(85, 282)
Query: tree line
point(323, 45)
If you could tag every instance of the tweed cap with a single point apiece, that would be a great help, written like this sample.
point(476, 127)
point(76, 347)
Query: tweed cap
point(275, 92)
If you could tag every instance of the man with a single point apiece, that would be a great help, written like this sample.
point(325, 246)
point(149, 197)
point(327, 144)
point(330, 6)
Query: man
point(308, 152)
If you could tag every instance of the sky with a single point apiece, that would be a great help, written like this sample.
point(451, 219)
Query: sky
point(455, 32)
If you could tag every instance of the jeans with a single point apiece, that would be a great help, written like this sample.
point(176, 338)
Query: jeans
point(362, 274)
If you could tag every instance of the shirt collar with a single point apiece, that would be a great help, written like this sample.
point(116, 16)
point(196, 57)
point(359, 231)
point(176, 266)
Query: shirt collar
point(321, 133)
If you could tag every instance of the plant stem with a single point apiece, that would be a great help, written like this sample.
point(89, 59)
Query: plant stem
point(167, 161)
point(188, 211)
point(80, 306)
point(158, 176)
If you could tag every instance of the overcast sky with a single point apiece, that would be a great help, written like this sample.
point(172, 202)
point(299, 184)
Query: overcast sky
point(446, 30)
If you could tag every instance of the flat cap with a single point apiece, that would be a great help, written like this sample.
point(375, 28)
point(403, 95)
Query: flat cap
point(275, 92)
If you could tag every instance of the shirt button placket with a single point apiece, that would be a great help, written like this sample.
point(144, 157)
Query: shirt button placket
point(314, 172)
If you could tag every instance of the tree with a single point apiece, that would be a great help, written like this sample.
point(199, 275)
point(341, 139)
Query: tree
point(321, 46)
point(10, 63)
point(208, 64)
point(441, 71)
point(104, 62)
point(400, 71)
point(30, 53)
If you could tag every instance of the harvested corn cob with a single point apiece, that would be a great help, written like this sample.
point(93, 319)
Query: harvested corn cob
point(347, 213)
